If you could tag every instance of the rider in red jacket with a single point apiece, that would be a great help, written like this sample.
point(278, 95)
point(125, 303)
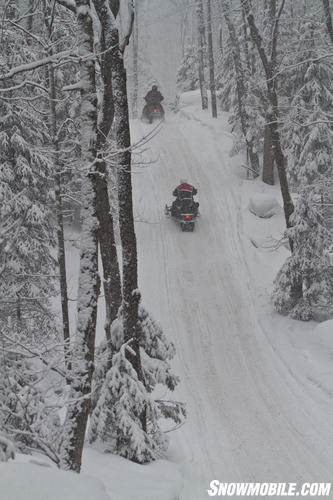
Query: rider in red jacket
point(184, 190)
point(184, 193)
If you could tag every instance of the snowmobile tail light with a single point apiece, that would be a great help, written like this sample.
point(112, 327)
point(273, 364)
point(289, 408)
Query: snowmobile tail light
point(187, 216)
point(155, 110)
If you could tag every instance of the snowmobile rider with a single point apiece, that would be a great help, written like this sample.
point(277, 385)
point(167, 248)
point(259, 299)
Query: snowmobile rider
point(184, 193)
point(184, 190)
point(154, 96)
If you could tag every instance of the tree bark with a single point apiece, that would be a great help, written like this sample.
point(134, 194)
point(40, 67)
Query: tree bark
point(58, 198)
point(89, 284)
point(60, 220)
point(268, 159)
point(111, 273)
point(130, 292)
point(211, 60)
point(135, 67)
point(328, 19)
point(201, 51)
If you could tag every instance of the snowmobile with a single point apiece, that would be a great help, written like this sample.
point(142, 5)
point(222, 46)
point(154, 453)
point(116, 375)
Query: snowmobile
point(185, 212)
point(152, 112)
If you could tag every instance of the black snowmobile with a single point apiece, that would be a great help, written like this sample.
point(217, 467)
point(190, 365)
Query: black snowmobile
point(184, 211)
point(152, 112)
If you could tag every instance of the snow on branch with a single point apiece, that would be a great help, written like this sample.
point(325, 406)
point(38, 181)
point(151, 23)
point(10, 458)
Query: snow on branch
point(56, 58)
point(21, 85)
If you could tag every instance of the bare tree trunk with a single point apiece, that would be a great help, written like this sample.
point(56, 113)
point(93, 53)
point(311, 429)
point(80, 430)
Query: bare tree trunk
point(130, 292)
point(60, 221)
point(328, 18)
point(89, 283)
point(57, 190)
point(135, 67)
point(240, 90)
point(211, 60)
point(106, 237)
point(268, 159)
point(201, 52)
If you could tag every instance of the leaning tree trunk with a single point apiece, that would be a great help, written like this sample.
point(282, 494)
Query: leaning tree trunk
point(130, 292)
point(211, 60)
point(88, 290)
point(201, 53)
point(240, 91)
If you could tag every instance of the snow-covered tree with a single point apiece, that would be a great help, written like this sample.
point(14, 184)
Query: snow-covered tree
point(31, 391)
point(187, 76)
point(310, 263)
point(116, 420)
point(27, 239)
point(309, 135)
point(122, 397)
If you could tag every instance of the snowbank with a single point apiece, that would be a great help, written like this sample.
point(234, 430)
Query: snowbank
point(126, 480)
point(32, 482)
point(263, 205)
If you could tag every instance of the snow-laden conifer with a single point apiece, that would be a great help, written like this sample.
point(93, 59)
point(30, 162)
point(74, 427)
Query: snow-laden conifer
point(310, 263)
point(116, 418)
point(187, 75)
point(132, 396)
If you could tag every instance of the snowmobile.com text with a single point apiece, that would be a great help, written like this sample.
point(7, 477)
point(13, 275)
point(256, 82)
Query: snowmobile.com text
point(269, 489)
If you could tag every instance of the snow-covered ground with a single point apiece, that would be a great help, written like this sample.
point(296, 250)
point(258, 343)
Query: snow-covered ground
point(258, 386)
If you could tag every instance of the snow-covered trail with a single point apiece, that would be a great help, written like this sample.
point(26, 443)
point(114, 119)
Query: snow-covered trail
point(248, 418)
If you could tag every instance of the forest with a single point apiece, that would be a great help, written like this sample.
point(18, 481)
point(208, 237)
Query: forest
point(72, 73)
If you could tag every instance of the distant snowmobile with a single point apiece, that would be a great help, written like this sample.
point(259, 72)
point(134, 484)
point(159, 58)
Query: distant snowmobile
point(153, 108)
point(152, 112)
point(184, 210)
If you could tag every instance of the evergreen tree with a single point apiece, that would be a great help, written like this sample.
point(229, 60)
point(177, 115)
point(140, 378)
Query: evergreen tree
point(308, 130)
point(116, 418)
point(187, 76)
point(309, 263)
point(26, 199)
point(120, 397)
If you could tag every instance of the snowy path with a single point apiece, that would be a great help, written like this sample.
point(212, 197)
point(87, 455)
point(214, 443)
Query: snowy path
point(248, 418)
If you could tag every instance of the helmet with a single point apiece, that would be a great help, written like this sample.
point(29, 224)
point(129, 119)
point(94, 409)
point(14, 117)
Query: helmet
point(183, 181)
point(154, 87)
